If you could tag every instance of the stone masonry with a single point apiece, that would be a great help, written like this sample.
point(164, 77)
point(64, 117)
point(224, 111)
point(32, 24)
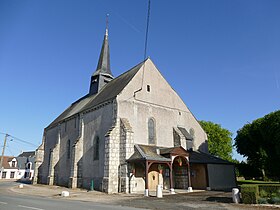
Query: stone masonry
point(75, 179)
point(54, 158)
point(126, 150)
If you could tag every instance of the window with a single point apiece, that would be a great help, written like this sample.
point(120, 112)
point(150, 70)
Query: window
point(13, 164)
point(12, 175)
point(151, 131)
point(68, 149)
point(148, 88)
point(4, 173)
point(96, 149)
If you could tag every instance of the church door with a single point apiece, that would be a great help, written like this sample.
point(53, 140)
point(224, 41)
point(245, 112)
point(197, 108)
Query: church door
point(153, 180)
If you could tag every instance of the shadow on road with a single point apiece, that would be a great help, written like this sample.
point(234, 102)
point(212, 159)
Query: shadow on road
point(24, 181)
point(219, 199)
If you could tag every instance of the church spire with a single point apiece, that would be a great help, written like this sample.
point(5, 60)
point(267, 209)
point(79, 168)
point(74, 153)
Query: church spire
point(103, 73)
point(103, 65)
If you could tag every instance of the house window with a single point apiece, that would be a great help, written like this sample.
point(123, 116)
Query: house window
point(96, 149)
point(13, 164)
point(68, 149)
point(151, 131)
point(12, 175)
point(148, 88)
point(4, 173)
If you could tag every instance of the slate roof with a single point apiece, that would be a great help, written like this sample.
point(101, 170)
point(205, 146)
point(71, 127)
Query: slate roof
point(204, 158)
point(107, 93)
point(27, 154)
point(186, 133)
point(103, 66)
point(145, 152)
point(22, 161)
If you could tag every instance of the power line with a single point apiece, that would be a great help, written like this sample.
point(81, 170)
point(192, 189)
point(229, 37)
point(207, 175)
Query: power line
point(147, 29)
point(20, 140)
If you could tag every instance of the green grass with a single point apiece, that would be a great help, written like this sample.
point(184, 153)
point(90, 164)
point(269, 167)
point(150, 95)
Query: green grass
point(241, 182)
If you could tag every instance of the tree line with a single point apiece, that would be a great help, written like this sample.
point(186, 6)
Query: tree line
point(258, 142)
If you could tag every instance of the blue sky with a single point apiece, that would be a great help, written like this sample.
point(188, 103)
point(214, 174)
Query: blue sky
point(221, 56)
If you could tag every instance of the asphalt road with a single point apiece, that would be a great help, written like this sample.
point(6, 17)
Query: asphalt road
point(13, 201)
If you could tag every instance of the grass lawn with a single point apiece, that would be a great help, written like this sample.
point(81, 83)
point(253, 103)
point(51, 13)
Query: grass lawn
point(241, 182)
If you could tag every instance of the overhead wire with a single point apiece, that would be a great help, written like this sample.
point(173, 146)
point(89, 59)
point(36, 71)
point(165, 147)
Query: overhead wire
point(145, 48)
point(19, 140)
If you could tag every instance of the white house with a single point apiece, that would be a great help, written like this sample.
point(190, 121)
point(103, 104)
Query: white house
point(9, 168)
point(18, 168)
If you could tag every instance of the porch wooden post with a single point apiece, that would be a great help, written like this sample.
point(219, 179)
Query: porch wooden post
point(146, 193)
point(171, 179)
point(189, 178)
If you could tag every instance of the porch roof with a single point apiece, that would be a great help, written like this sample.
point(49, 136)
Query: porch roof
point(160, 154)
point(145, 152)
point(204, 158)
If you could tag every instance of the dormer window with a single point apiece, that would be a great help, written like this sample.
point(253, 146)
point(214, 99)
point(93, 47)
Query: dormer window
point(13, 164)
point(28, 165)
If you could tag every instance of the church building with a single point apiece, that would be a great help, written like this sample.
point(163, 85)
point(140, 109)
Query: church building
point(129, 134)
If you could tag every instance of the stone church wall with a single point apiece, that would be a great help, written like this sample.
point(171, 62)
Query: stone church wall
point(50, 140)
point(96, 124)
point(150, 96)
point(69, 132)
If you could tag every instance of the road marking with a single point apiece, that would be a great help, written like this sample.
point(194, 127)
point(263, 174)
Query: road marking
point(3, 202)
point(29, 207)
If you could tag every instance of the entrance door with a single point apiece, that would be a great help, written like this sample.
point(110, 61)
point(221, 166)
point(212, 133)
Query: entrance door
point(153, 180)
point(198, 176)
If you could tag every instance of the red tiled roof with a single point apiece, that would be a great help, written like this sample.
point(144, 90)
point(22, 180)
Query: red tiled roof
point(6, 160)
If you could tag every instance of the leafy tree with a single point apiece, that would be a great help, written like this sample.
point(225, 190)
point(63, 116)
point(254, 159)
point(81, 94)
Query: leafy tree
point(259, 141)
point(219, 140)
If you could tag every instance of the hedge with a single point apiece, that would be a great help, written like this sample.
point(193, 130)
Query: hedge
point(260, 193)
point(250, 193)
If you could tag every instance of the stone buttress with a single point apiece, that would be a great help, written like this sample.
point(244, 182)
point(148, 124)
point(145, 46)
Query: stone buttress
point(75, 179)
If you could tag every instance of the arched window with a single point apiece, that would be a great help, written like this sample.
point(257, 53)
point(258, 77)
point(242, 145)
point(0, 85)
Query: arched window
point(96, 149)
point(68, 149)
point(151, 131)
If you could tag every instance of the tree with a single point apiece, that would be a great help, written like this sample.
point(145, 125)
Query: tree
point(219, 140)
point(259, 141)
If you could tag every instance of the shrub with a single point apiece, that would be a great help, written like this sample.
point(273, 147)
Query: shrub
point(271, 190)
point(274, 200)
point(263, 193)
point(250, 194)
point(262, 200)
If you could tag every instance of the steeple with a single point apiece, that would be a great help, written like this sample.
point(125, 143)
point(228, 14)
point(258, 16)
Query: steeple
point(103, 73)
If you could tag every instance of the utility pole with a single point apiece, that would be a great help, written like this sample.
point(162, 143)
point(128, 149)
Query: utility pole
point(3, 151)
